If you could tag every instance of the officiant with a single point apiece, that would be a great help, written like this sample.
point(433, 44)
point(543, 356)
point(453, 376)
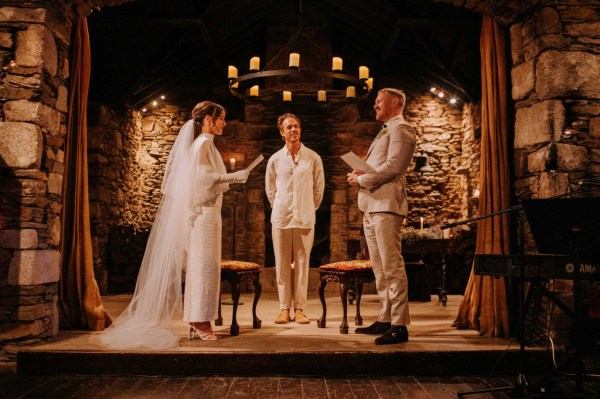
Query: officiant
point(294, 183)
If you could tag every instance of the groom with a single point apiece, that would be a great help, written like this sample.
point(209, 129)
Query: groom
point(382, 199)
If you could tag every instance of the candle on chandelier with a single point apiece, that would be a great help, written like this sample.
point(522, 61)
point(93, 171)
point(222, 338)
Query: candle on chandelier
point(232, 164)
point(337, 63)
point(287, 95)
point(351, 92)
point(232, 72)
point(363, 72)
point(294, 60)
point(254, 63)
point(254, 91)
point(322, 96)
point(369, 83)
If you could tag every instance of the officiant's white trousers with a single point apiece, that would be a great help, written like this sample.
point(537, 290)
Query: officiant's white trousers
point(292, 245)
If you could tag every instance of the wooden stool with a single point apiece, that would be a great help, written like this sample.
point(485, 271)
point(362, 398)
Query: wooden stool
point(352, 273)
point(236, 272)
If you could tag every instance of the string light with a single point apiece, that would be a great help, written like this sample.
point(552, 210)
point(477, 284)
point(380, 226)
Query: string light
point(154, 103)
point(442, 95)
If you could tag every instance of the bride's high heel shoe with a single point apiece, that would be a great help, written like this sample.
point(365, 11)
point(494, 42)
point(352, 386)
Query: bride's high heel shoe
point(203, 335)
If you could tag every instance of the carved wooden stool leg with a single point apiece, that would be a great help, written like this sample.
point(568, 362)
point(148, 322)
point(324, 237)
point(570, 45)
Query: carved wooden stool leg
point(256, 322)
point(219, 321)
point(322, 321)
point(235, 296)
point(358, 319)
point(344, 295)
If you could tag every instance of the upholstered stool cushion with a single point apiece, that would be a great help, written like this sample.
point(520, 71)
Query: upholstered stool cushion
point(235, 265)
point(348, 265)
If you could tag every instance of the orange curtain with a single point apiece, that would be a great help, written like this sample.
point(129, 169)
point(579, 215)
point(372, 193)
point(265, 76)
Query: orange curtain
point(485, 305)
point(80, 301)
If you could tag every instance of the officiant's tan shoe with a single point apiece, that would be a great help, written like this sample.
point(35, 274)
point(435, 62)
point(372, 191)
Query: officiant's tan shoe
point(300, 317)
point(284, 317)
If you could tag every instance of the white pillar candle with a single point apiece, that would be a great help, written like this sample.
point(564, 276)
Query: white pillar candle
point(363, 72)
point(322, 96)
point(351, 92)
point(232, 72)
point(232, 164)
point(254, 91)
point(421, 223)
point(294, 60)
point(369, 83)
point(287, 95)
point(235, 85)
point(254, 63)
point(337, 63)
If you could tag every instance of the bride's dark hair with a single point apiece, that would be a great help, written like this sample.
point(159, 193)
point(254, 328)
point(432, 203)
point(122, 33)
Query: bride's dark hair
point(206, 108)
point(203, 109)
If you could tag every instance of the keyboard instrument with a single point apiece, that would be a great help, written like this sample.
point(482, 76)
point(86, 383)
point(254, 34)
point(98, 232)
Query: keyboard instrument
point(536, 266)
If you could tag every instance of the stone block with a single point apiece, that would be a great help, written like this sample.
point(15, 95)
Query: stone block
point(538, 161)
point(541, 123)
point(522, 77)
point(6, 40)
point(516, 43)
point(21, 145)
point(36, 47)
point(548, 21)
point(29, 111)
point(14, 14)
point(32, 312)
point(571, 158)
point(19, 239)
point(594, 128)
point(552, 184)
point(55, 183)
point(31, 267)
point(62, 99)
point(16, 331)
point(567, 74)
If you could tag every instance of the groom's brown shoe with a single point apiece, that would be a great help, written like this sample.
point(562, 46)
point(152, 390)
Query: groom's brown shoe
point(378, 327)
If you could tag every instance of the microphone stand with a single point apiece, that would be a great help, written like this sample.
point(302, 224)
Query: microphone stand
point(521, 381)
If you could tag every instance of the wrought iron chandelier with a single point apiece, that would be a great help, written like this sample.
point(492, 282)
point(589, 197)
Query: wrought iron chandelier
point(247, 86)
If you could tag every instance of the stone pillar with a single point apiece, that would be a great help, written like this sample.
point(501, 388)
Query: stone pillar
point(34, 77)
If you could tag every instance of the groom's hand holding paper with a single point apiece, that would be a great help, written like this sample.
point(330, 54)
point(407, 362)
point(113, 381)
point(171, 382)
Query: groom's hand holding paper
point(356, 163)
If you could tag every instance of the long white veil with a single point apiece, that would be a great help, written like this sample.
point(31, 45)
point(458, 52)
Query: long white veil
point(158, 293)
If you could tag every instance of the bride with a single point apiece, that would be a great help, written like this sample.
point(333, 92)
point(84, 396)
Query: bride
point(186, 235)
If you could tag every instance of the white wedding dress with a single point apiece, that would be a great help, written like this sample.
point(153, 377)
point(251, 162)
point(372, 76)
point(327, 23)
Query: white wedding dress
point(186, 234)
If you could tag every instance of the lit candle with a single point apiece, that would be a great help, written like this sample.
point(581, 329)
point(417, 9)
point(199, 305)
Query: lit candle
point(232, 164)
point(254, 91)
point(421, 223)
point(235, 85)
point(287, 95)
point(336, 63)
point(369, 83)
point(232, 72)
point(363, 72)
point(351, 91)
point(294, 60)
point(254, 63)
point(322, 96)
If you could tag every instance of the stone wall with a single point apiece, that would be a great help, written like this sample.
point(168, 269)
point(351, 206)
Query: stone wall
point(556, 88)
point(34, 62)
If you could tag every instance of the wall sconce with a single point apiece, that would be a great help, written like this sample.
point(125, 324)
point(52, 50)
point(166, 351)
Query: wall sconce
point(422, 164)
